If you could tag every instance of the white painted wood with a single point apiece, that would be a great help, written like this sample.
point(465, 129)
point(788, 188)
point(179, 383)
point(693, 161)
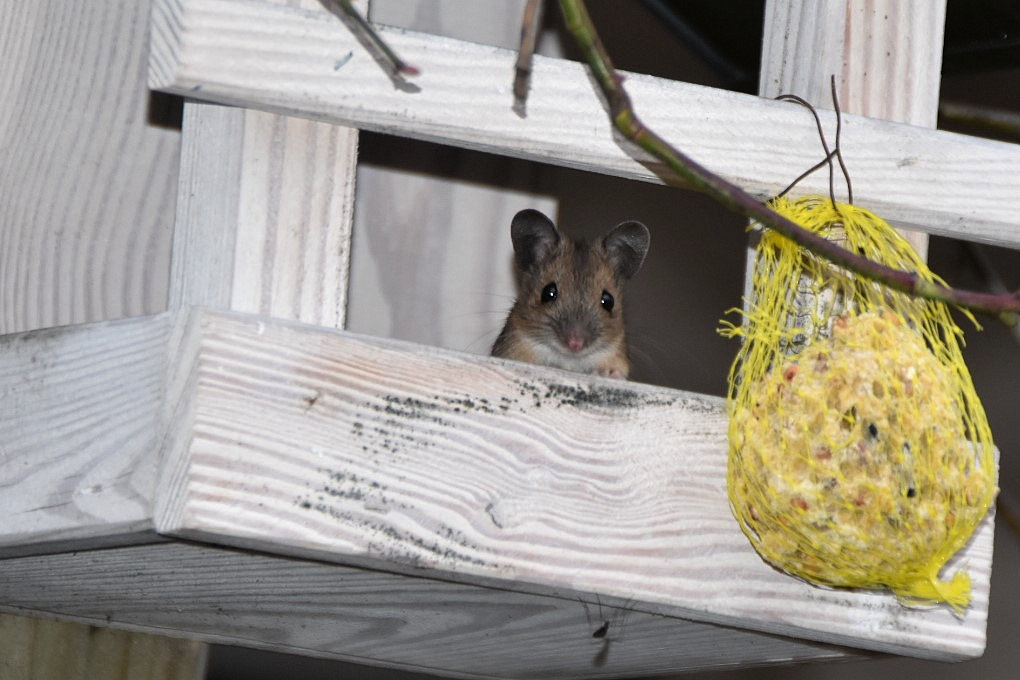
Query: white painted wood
point(215, 49)
point(431, 255)
point(265, 225)
point(205, 230)
point(265, 215)
point(886, 56)
point(81, 428)
point(373, 617)
point(87, 177)
point(375, 453)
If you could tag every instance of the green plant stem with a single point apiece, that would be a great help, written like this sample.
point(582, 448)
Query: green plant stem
point(621, 112)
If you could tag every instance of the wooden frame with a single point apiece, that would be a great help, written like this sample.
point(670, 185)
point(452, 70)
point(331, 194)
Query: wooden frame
point(315, 443)
point(222, 460)
point(215, 50)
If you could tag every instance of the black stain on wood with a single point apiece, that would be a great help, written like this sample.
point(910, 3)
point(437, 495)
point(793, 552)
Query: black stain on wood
point(592, 396)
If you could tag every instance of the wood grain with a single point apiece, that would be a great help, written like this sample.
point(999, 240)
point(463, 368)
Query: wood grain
point(215, 49)
point(372, 617)
point(886, 56)
point(381, 454)
point(88, 175)
point(265, 218)
point(81, 427)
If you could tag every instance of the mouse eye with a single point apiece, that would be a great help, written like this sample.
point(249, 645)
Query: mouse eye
point(549, 293)
point(607, 301)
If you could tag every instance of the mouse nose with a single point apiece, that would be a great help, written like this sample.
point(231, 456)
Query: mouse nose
point(575, 341)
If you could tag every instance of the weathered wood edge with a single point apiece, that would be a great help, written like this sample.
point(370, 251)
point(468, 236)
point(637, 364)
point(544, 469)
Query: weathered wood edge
point(363, 616)
point(88, 567)
point(224, 487)
point(216, 50)
point(80, 424)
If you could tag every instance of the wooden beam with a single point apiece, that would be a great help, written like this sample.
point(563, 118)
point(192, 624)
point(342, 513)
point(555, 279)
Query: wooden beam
point(373, 617)
point(431, 466)
point(386, 455)
point(252, 53)
point(264, 214)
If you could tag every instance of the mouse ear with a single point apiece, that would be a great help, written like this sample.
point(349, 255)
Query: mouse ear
point(626, 245)
point(535, 238)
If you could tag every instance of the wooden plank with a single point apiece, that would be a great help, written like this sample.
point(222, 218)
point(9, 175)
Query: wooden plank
point(216, 50)
point(380, 454)
point(205, 228)
point(45, 649)
point(265, 212)
point(886, 56)
point(88, 166)
point(372, 617)
point(81, 429)
point(431, 259)
point(264, 221)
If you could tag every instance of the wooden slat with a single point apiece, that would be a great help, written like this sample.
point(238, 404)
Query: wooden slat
point(81, 428)
point(88, 170)
point(217, 50)
point(372, 617)
point(377, 453)
point(264, 221)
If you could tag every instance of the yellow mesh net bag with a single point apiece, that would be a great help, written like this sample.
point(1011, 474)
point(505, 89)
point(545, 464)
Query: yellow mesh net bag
point(860, 455)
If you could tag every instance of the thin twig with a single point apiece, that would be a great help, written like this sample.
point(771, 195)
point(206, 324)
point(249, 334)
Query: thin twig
point(825, 147)
point(621, 112)
point(839, 151)
point(810, 171)
point(395, 66)
point(993, 280)
point(530, 25)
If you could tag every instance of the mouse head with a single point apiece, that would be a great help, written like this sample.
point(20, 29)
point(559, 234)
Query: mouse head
point(571, 292)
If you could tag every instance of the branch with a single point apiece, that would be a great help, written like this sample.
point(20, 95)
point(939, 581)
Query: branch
point(995, 123)
point(621, 112)
point(530, 25)
point(394, 65)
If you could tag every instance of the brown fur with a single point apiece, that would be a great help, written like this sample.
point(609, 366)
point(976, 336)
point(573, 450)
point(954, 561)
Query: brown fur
point(539, 333)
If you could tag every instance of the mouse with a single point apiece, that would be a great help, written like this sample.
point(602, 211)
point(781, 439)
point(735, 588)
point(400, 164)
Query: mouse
point(569, 310)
